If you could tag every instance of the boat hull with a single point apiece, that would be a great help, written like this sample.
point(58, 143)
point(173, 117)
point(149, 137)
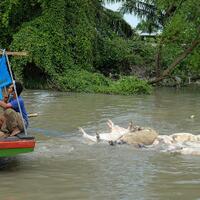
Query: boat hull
point(12, 146)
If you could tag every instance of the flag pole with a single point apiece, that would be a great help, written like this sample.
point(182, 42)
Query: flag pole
point(13, 81)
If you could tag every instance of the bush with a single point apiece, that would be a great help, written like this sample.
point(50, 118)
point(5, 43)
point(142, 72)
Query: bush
point(130, 85)
point(84, 81)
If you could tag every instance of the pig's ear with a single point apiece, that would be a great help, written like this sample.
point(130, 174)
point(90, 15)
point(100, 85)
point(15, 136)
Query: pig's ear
point(110, 123)
point(81, 130)
point(130, 126)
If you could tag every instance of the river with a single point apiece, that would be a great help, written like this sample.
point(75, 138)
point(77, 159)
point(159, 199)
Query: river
point(66, 166)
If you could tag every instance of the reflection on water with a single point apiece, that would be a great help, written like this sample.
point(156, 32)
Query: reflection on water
point(65, 166)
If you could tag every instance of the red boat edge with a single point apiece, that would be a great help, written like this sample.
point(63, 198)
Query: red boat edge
point(11, 146)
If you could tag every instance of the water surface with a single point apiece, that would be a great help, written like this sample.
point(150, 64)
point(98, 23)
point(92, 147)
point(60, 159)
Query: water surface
point(66, 166)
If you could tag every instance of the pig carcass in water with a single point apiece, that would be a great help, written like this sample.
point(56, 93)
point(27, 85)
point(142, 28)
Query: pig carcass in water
point(132, 135)
point(183, 143)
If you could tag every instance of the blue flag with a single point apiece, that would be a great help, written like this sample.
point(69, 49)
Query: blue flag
point(5, 78)
point(1, 95)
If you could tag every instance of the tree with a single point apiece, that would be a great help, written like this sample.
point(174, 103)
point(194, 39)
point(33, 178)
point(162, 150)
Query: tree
point(62, 36)
point(13, 13)
point(178, 21)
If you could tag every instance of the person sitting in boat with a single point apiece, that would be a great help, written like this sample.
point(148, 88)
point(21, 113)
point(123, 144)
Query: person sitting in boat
point(10, 121)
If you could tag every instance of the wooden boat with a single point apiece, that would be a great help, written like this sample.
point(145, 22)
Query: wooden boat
point(22, 143)
point(11, 146)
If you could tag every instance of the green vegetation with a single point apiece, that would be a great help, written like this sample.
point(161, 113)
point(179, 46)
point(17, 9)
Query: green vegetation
point(95, 82)
point(177, 45)
point(83, 47)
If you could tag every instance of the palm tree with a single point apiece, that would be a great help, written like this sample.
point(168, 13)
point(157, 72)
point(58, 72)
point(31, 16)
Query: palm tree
point(146, 10)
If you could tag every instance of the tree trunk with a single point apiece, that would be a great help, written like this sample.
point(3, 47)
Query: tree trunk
point(181, 57)
point(158, 60)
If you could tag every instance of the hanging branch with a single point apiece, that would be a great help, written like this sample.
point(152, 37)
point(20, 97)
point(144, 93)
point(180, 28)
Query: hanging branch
point(181, 57)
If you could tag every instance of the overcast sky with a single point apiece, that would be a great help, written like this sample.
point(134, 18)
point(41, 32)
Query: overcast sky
point(131, 19)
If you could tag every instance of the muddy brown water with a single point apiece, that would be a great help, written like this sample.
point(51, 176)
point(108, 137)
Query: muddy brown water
point(66, 166)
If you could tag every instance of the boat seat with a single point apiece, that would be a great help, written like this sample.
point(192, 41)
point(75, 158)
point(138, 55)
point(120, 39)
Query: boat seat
point(25, 137)
point(13, 138)
point(17, 137)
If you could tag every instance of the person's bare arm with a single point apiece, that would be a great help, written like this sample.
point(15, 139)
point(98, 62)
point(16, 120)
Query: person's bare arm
point(5, 105)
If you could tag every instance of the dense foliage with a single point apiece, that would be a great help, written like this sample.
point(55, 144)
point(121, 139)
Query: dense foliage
point(81, 46)
point(94, 82)
point(177, 45)
point(72, 45)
